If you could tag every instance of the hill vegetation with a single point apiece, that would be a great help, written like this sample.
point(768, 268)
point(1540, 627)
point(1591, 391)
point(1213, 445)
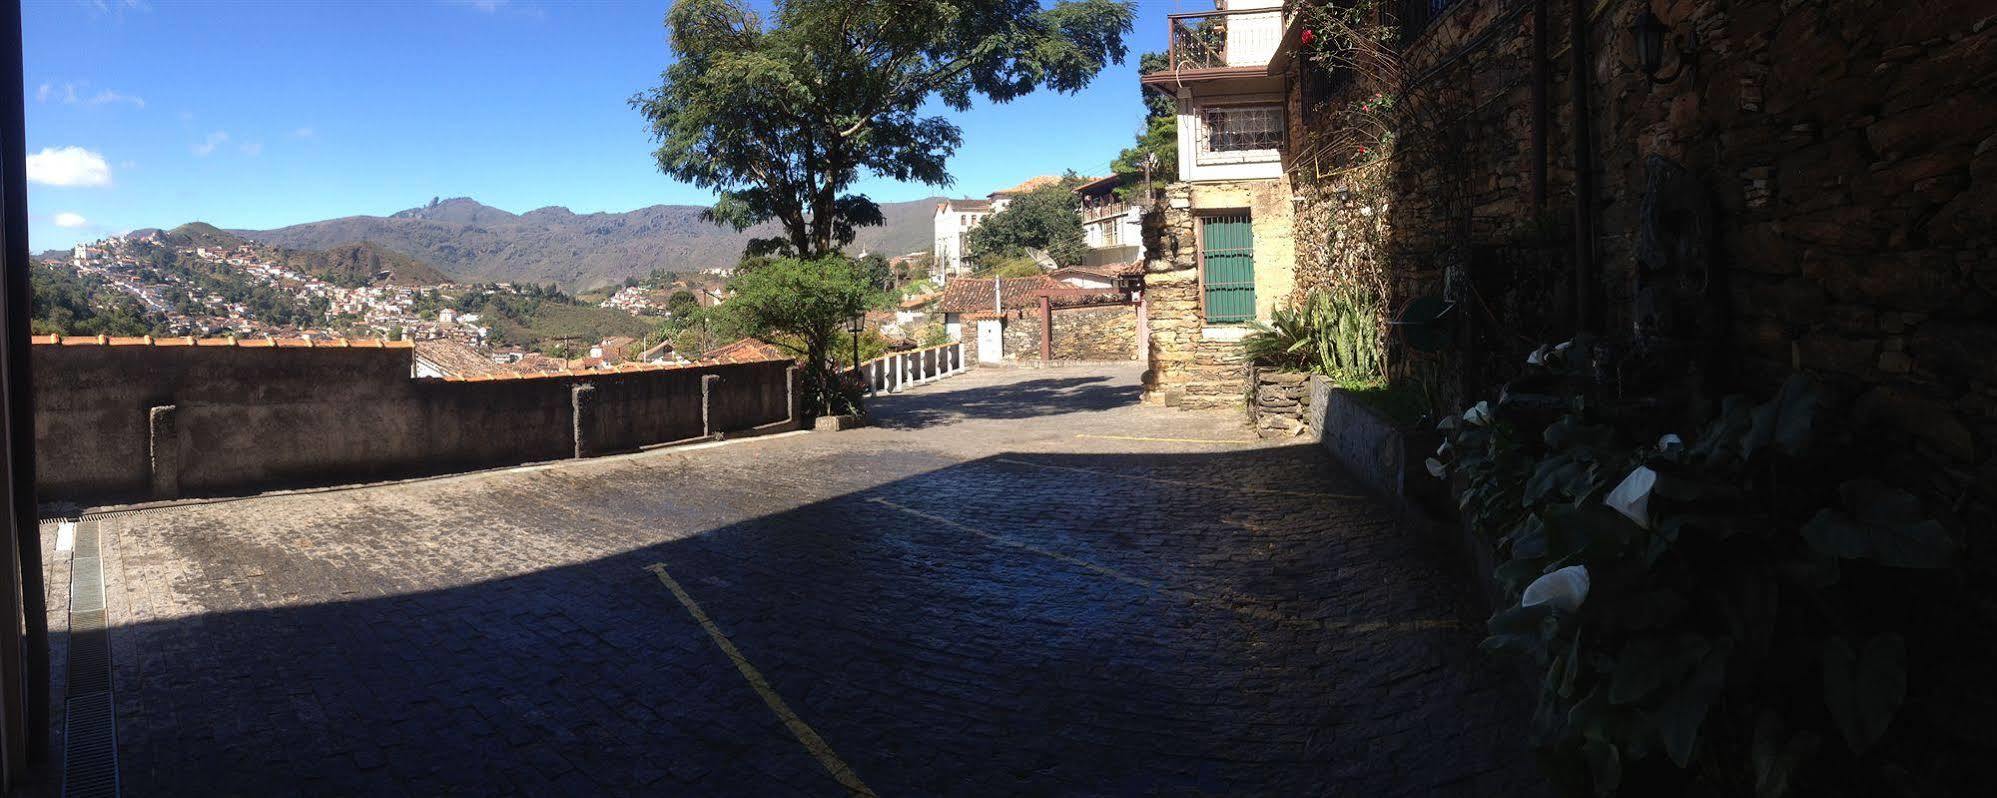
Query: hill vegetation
point(575, 251)
point(68, 303)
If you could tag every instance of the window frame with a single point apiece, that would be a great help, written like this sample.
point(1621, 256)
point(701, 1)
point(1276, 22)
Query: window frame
point(1204, 155)
point(1200, 220)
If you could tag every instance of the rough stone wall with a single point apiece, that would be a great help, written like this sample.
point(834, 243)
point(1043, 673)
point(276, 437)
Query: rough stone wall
point(1089, 333)
point(1846, 148)
point(1194, 365)
point(1282, 402)
point(1097, 333)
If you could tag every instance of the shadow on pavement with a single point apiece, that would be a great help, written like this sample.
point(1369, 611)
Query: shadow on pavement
point(1030, 398)
point(1037, 624)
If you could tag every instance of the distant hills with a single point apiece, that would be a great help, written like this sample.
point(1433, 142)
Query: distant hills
point(479, 243)
point(352, 264)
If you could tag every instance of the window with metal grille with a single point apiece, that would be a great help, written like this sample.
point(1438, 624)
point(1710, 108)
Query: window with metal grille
point(1415, 15)
point(1235, 132)
point(1227, 268)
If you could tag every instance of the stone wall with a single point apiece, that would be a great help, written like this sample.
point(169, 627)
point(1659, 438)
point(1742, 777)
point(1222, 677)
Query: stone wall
point(1095, 333)
point(1282, 402)
point(1841, 159)
point(117, 422)
point(1193, 364)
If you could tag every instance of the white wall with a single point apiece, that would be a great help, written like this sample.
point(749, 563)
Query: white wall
point(1255, 165)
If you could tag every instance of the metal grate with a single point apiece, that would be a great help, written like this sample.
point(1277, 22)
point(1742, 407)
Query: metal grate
point(1227, 272)
point(90, 725)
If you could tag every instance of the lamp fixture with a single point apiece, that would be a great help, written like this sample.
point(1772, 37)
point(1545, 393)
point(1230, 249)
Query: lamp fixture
point(1650, 33)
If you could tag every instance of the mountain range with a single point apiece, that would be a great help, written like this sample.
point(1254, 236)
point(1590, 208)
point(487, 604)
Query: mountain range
point(475, 242)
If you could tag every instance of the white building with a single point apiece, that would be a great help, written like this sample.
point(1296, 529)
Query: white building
point(955, 218)
point(1112, 226)
point(1231, 123)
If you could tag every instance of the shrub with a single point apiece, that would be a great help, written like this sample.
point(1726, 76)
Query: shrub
point(1691, 602)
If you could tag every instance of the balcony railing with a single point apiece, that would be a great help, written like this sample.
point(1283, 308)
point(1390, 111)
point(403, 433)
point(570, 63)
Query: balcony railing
point(1218, 39)
point(1097, 213)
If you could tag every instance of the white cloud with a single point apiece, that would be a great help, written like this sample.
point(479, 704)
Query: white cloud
point(71, 93)
point(252, 148)
point(109, 96)
point(215, 139)
point(67, 219)
point(68, 166)
point(305, 133)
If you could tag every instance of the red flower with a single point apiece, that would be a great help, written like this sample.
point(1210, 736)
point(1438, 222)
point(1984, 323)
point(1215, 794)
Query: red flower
point(1308, 36)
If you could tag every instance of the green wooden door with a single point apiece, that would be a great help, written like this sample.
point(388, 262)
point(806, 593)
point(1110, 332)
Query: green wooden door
point(1227, 268)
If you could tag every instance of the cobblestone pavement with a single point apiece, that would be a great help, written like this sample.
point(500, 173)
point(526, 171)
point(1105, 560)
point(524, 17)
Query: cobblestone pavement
point(1000, 590)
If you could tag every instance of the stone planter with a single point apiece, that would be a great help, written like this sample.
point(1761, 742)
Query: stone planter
point(1280, 405)
point(837, 423)
point(1390, 461)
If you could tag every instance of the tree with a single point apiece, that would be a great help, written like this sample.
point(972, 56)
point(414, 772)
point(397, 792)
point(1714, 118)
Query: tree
point(802, 306)
point(780, 118)
point(1159, 137)
point(1046, 218)
point(682, 305)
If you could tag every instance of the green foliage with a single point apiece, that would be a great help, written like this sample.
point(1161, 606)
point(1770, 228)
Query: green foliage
point(1045, 218)
point(65, 302)
point(1723, 621)
point(1334, 332)
point(803, 306)
point(782, 117)
point(932, 334)
point(1159, 137)
point(543, 319)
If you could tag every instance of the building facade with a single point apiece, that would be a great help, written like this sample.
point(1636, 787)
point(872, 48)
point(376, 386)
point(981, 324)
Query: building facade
point(1220, 253)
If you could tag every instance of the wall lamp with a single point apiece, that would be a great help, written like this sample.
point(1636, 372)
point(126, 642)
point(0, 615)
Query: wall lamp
point(1650, 33)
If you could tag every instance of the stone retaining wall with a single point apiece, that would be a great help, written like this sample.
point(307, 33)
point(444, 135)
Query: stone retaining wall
point(120, 422)
point(1282, 403)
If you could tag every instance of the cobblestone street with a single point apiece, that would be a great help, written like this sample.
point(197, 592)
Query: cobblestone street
point(1020, 582)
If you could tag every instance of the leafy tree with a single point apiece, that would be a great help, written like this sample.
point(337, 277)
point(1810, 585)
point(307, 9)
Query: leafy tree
point(802, 306)
point(682, 304)
point(1045, 218)
point(781, 117)
point(1159, 137)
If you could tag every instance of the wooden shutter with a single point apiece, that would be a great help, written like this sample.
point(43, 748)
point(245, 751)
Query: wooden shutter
point(1227, 268)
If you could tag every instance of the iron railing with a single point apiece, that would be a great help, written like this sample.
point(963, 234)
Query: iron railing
point(1218, 39)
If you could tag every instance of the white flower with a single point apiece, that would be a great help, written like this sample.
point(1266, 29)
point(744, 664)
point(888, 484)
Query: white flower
point(1538, 356)
point(1447, 424)
point(1632, 497)
point(1443, 450)
point(1562, 346)
point(1669, 442)
point(1562, 590)
point(1435, 468)
point(1479, 415)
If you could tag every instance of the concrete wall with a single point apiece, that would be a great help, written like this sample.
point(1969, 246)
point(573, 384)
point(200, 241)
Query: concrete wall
point(145, 421)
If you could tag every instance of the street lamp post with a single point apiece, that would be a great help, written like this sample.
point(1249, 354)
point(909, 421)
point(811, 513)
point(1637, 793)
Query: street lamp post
point(854, 325)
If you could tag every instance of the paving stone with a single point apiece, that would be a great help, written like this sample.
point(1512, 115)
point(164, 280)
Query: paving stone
point(991, 591)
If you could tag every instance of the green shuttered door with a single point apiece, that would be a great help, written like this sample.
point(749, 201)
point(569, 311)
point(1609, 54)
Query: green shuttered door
point(1227, 254)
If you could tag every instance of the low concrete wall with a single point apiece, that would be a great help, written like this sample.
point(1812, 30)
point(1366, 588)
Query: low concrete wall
point(118, 422)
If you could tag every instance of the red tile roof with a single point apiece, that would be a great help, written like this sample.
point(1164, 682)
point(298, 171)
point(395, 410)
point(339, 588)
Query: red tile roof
point(974, 294)
point(259, 341)
point(1030, 184)
point(747, 350)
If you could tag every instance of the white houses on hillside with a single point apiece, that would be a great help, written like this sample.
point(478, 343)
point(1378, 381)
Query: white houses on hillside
point(954, 220)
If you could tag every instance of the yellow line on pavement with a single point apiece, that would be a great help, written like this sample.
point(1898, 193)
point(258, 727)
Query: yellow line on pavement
point(1163, 440)
point(1185, 482)
point(1237, 604)
point(805, 734)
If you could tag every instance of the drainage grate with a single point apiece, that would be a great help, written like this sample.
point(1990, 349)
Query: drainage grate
point(90, 724)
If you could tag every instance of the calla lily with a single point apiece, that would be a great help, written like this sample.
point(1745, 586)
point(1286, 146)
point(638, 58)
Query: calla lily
point(1632, 497)
point(1443, 450)
point(1562, 346)
point(1479, 415)
point(1562, 590)
point(1435, 468)
point(1669, 442)
point(1538, 356)
point(1447, 424)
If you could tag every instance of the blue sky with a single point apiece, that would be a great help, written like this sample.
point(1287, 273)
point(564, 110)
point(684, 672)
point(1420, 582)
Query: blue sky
point(148, 113)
